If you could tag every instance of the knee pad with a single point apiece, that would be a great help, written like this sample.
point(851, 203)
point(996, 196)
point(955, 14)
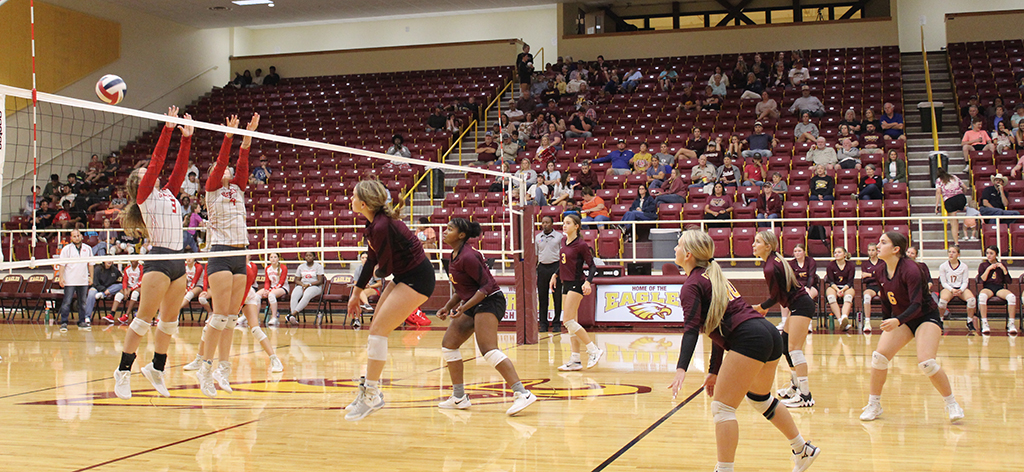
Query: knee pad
point(189, 296)
point(972, 303)
point(943, 304)
point(271, 297)
point(930, 367)
point(572, 326)
point(495, 357)
point(450, 355)
point(119, 297)
point(377, 348)
point(722, 412)
point(258, 334)
point(206, 331)
point(139, 326)
point(135, 295)
point(1011, 299)
point(765, 404)
point(798, 357)
point(983, 299)
point(203, 300)
point(848, 298)
point(169, 328)
point(831, 298)
point(217, 322)
point(867, 300)
point(232, 322)
point(879, 361)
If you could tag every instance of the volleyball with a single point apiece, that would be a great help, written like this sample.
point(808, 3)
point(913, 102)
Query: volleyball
point(111, 89)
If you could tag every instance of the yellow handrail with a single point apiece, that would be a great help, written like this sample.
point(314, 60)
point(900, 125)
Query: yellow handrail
point(497, 100)
point(543, 65)
point(935, 130)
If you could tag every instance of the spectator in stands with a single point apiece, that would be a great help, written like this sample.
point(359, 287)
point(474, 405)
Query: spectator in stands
point(1003, 138)
point(805, 131)
point(779, 186)
point(895, 168)
point(554, 136)
point(754, 172)
point(111, 167)
point(753, 88)
point(990, 112)
point(524, 67)
point(509, 149)
point(973, 114)
point(64, 219)
point(453, 124)
point(997, 116)
point(642, 160)
point(539, 85)
point(718, 82)
point(949, 193)
point(397, 148)
point(437, 120)
point(545, 152)
point(1018, 115)
point(735, 147)
point(1018, 135)
point(631, 80)
point(848, 155)
point(657, 174)
point(822, 185)
point(44, 216)
point(75, 278)
point(807, 104)
point(260, 174)
point(526, 102)
point(712, 100)
point(695, 146)
point(769, 205)
point(851, 121)
point(550, 175)
point(673, 189)
point(844, 133)
point(513, 113)
point(892, 123)
point(718, 206)
point(703, 173)
point(759, 144)
point(869, 185)
point(667, 79)
point(191, 185)
point(665, 156)
point(31, 202)
point(870, 119)
point(579, 126)
point(976, 139)
point(593, 209)
point(728, 174)
point(643, 208)
point(525, 173)
point(487, 151)
point(993, 201)
point(241, 80)
point(94, 169)
point(972, 101)
point(272, 79)
point(798, 74)
point(871, 139)
point(586, 177)
point(779, 77)
point(821, 154)
point(688, 101)
point(767, 108)
point(620, 159)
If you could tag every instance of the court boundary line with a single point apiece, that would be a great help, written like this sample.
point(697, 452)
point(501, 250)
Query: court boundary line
point(607, 462)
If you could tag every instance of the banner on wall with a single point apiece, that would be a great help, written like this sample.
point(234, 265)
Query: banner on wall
point(638, 304)
point(510, 304)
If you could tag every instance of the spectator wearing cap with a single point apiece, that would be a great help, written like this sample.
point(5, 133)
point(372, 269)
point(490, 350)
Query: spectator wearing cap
point(767, 108)
point(892, 123)
point(799, 74)
point(619, 158)
point(1018, 114)
point(398, 147)
point(509, 149)
point(807, 104)
point(759, 144)
point(487, 151)
point(993, 200)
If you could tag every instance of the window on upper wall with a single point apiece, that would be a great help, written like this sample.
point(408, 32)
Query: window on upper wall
point(664, 23)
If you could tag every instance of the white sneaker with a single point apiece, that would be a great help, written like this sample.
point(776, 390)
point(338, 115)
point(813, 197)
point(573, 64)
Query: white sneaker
point(984, 327)
point(867, 326)
point(362, 381)
point(1011, 327)
point(871, 412)
point(845, 324)
point(155, 377)
point(272, 322)
point(967, 169)
point(787, 393)
point(370, 399)
point(800, 401)
point(222, 374)
point(570, 366)
point(194, 365)
point(594, 358)
point(803, 459)
point(275, 365)
point(123, 384)
point(955, 412)
point(453, 403)
point(782, 325)
point(205, 377)
point(520, 402)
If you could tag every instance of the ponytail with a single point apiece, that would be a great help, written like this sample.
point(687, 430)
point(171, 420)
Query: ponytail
point(375, 195)
point(470, 228)
point(772, 240)
point(131, 218)
point(702, 247)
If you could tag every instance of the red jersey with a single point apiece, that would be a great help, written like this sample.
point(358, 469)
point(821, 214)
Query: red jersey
point(869, 272)
point(840, 277)
point(193, 275)
point(775, 275)
point(132, 277)
point(695, 297)
point(906, 293)
point(997, 278)
point(572, 257)
point(469, 274)
point(275, 277)
point(392, 248)
point(161, 210)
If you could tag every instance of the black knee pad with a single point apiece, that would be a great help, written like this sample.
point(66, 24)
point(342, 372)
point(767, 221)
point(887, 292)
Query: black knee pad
point(785, 350)
point(765, 404)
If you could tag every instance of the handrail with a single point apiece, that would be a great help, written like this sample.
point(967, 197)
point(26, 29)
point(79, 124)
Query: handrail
point(935, 127)
point(540, 52)
point(497, 100)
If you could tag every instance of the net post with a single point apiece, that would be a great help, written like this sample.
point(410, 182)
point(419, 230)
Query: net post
point(526, 276)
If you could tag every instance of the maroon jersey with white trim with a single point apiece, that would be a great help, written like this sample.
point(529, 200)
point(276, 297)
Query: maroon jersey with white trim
point(572, 257)
point(469, 274)
point(905, 295)
point(808, 274)
point(840, 277)
point(995, 277)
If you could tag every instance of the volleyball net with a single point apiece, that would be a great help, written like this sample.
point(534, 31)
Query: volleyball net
point(299, 183)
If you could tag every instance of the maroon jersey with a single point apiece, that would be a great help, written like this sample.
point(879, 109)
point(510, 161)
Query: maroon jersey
point(572, 257)
point(906, 293)
point(469, 274)
point(870, 272)
point(808, 274)
point(775, 275)
point(393, 249)
point(695, 297)
point(997, 278)
point(926, 275)
point(840, 277)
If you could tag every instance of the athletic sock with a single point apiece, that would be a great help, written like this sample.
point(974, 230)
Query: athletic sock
point(875, 399)
point(159, 361)
point(950, 400)
point(792, 379)
point(724, 467)
point(126, 362)
point(371, 383)
point(591, 348)
point(223, 364)
point(797, 443)
point(458, 390)
point(518, 387)
point(804, 385)
point(575, 357)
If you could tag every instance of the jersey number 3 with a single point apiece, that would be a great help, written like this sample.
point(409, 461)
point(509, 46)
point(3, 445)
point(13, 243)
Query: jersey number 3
point(563, 258)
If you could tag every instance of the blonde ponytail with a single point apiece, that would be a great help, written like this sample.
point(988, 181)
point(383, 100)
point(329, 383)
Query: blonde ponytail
point(131, 218)
point(702, 247)
point(375, 195)
point(769, 238)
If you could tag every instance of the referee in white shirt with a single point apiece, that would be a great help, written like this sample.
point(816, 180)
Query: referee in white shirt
point(75, 278)
point(548, 243)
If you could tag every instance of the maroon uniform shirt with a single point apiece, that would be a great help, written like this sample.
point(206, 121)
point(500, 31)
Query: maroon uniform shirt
point(695, 297)
point(871, 272)
point(469, 274)
point(572, 257)
point(840, 277)
point(393, 248)
point(996, 280)
point(906, 293)
point(775, 275)
point(808, 274)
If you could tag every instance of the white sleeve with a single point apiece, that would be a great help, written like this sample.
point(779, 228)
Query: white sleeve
point(944, 270)
point(966, 278)
point(318, 268)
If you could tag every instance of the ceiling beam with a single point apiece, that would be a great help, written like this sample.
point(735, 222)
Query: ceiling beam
point(735, 12)
point(859, 6)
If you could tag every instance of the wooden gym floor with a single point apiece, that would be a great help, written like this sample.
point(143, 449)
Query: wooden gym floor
point(58, 410)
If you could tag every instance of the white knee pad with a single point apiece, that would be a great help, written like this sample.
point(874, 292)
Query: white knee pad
point(798, 357)
point(258, 334)
point(722, 412)
point(764, 404)
point(831, 298)
point(848, 298)
point(203, 300)
point(450, 355)
point(495, 357)
point(119, 297)
point(572, 326)
point(377, 348)
point(972, 303)
point(943, 304)
point(867, 300)
point(189, 296)
point(983, 299)
point(139, 326)
point(207, 330)
point(135, 296)
point(1011, 299)
point(217, 322)
point(930, 367)
point(232, 321)
point(879, 361)
point(169, 328)
point(271, 297)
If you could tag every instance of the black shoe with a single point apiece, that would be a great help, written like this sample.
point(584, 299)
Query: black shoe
point(63, 327)
point(556, 329)
point(542, 328)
